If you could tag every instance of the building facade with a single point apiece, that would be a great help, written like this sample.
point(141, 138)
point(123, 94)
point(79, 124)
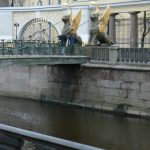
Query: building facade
point(41, 19)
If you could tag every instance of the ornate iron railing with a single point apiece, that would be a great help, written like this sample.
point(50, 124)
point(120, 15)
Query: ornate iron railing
point(21, 47)
point(134, 55)
point(121, 55)
point(100, 53)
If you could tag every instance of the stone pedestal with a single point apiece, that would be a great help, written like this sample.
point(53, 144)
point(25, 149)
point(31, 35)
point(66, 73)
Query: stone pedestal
point(113, 54)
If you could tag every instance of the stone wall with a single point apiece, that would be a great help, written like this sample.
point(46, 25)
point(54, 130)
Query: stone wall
point(106, 88)
point(117, 90)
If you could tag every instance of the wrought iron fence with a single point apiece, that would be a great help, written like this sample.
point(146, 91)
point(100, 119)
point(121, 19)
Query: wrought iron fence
point(100, 53)
point(134, 55)
point(21, 47)
point(122, 55)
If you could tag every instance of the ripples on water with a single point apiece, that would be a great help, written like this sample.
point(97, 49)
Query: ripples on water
point(84, 126)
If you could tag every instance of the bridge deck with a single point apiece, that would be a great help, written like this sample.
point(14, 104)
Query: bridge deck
point(42, 59)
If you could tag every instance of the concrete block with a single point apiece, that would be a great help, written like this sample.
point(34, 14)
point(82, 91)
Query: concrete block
point(106, 74)
point(88, 81)
point(133, 94)
point(130, 76)
point(145, 87)
point(92, 81)
point(83, 81)
point(109, 84)
point(89, 89)
point(136, 102)
point(130, 85)
point(115, 92)
point(146, 76)
point(54, 85)
point(114, 100)
point(133, 111)
point(144, 95)
point(93, 97)
point(108, 107)
point(22, 75)
point(138, 95)
point(52, 78)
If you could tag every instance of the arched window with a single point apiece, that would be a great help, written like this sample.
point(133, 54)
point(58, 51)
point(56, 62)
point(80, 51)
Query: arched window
point(39, 29)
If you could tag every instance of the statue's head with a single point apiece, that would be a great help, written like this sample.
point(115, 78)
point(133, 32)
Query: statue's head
point(94, 17)
point(66, 19)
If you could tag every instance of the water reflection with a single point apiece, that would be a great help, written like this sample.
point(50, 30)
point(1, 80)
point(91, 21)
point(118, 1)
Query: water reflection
point(85, 126)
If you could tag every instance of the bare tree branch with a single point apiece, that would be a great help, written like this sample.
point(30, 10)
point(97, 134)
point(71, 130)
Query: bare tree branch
point(144, 30)
point(147, 31)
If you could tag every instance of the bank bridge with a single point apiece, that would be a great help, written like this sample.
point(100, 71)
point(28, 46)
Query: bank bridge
point(40, 52)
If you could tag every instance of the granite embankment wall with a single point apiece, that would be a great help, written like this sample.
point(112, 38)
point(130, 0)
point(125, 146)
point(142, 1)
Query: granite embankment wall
point(112, 88)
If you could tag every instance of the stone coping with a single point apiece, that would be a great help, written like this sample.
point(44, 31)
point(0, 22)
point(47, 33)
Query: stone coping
point(42, 60)
point(134, 67)
point(40, 56)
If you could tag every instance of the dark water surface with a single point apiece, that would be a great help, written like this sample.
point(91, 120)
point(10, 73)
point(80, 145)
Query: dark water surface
point(84, 126)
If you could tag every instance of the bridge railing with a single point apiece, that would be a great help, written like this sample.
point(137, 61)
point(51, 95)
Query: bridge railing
point(114, 54)
point(134, 55)
point(13, 138)
point(100, 53)
point(21, 47)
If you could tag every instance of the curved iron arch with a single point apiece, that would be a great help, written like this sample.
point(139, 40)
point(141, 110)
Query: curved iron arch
point(39, 29)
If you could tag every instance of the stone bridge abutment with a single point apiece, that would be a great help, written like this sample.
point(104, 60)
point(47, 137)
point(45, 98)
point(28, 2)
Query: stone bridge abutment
point(104, 87)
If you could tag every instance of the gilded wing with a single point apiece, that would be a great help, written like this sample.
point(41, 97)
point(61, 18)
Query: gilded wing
point(97, 9)
point(104, 19)
point(76, 22)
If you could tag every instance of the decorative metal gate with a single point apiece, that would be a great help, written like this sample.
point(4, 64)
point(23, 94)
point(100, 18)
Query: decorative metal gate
point(39, 29)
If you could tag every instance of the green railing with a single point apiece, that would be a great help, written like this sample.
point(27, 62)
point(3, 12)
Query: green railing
point(21, 47)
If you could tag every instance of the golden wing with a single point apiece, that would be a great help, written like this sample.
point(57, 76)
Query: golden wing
point(104, 19)
point(76, 22)
point(97, 10)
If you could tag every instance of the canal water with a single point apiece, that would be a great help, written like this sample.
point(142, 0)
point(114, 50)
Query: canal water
point(85, 126)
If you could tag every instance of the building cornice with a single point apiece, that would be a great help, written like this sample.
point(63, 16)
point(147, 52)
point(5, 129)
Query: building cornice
point(59, 7)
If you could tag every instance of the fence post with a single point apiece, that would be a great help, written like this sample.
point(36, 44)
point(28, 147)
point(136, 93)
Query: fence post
point(3, 47)
point(113, 54)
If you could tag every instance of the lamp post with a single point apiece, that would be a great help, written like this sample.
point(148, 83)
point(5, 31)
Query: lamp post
point(16, 25)
point(49, 31)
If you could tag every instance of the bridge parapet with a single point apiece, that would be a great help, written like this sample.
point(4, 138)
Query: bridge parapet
point(116, 55)
point(39, 53)
point(21, 47)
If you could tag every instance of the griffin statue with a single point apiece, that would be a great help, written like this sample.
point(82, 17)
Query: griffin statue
point(70, 27)
point(97, 30)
